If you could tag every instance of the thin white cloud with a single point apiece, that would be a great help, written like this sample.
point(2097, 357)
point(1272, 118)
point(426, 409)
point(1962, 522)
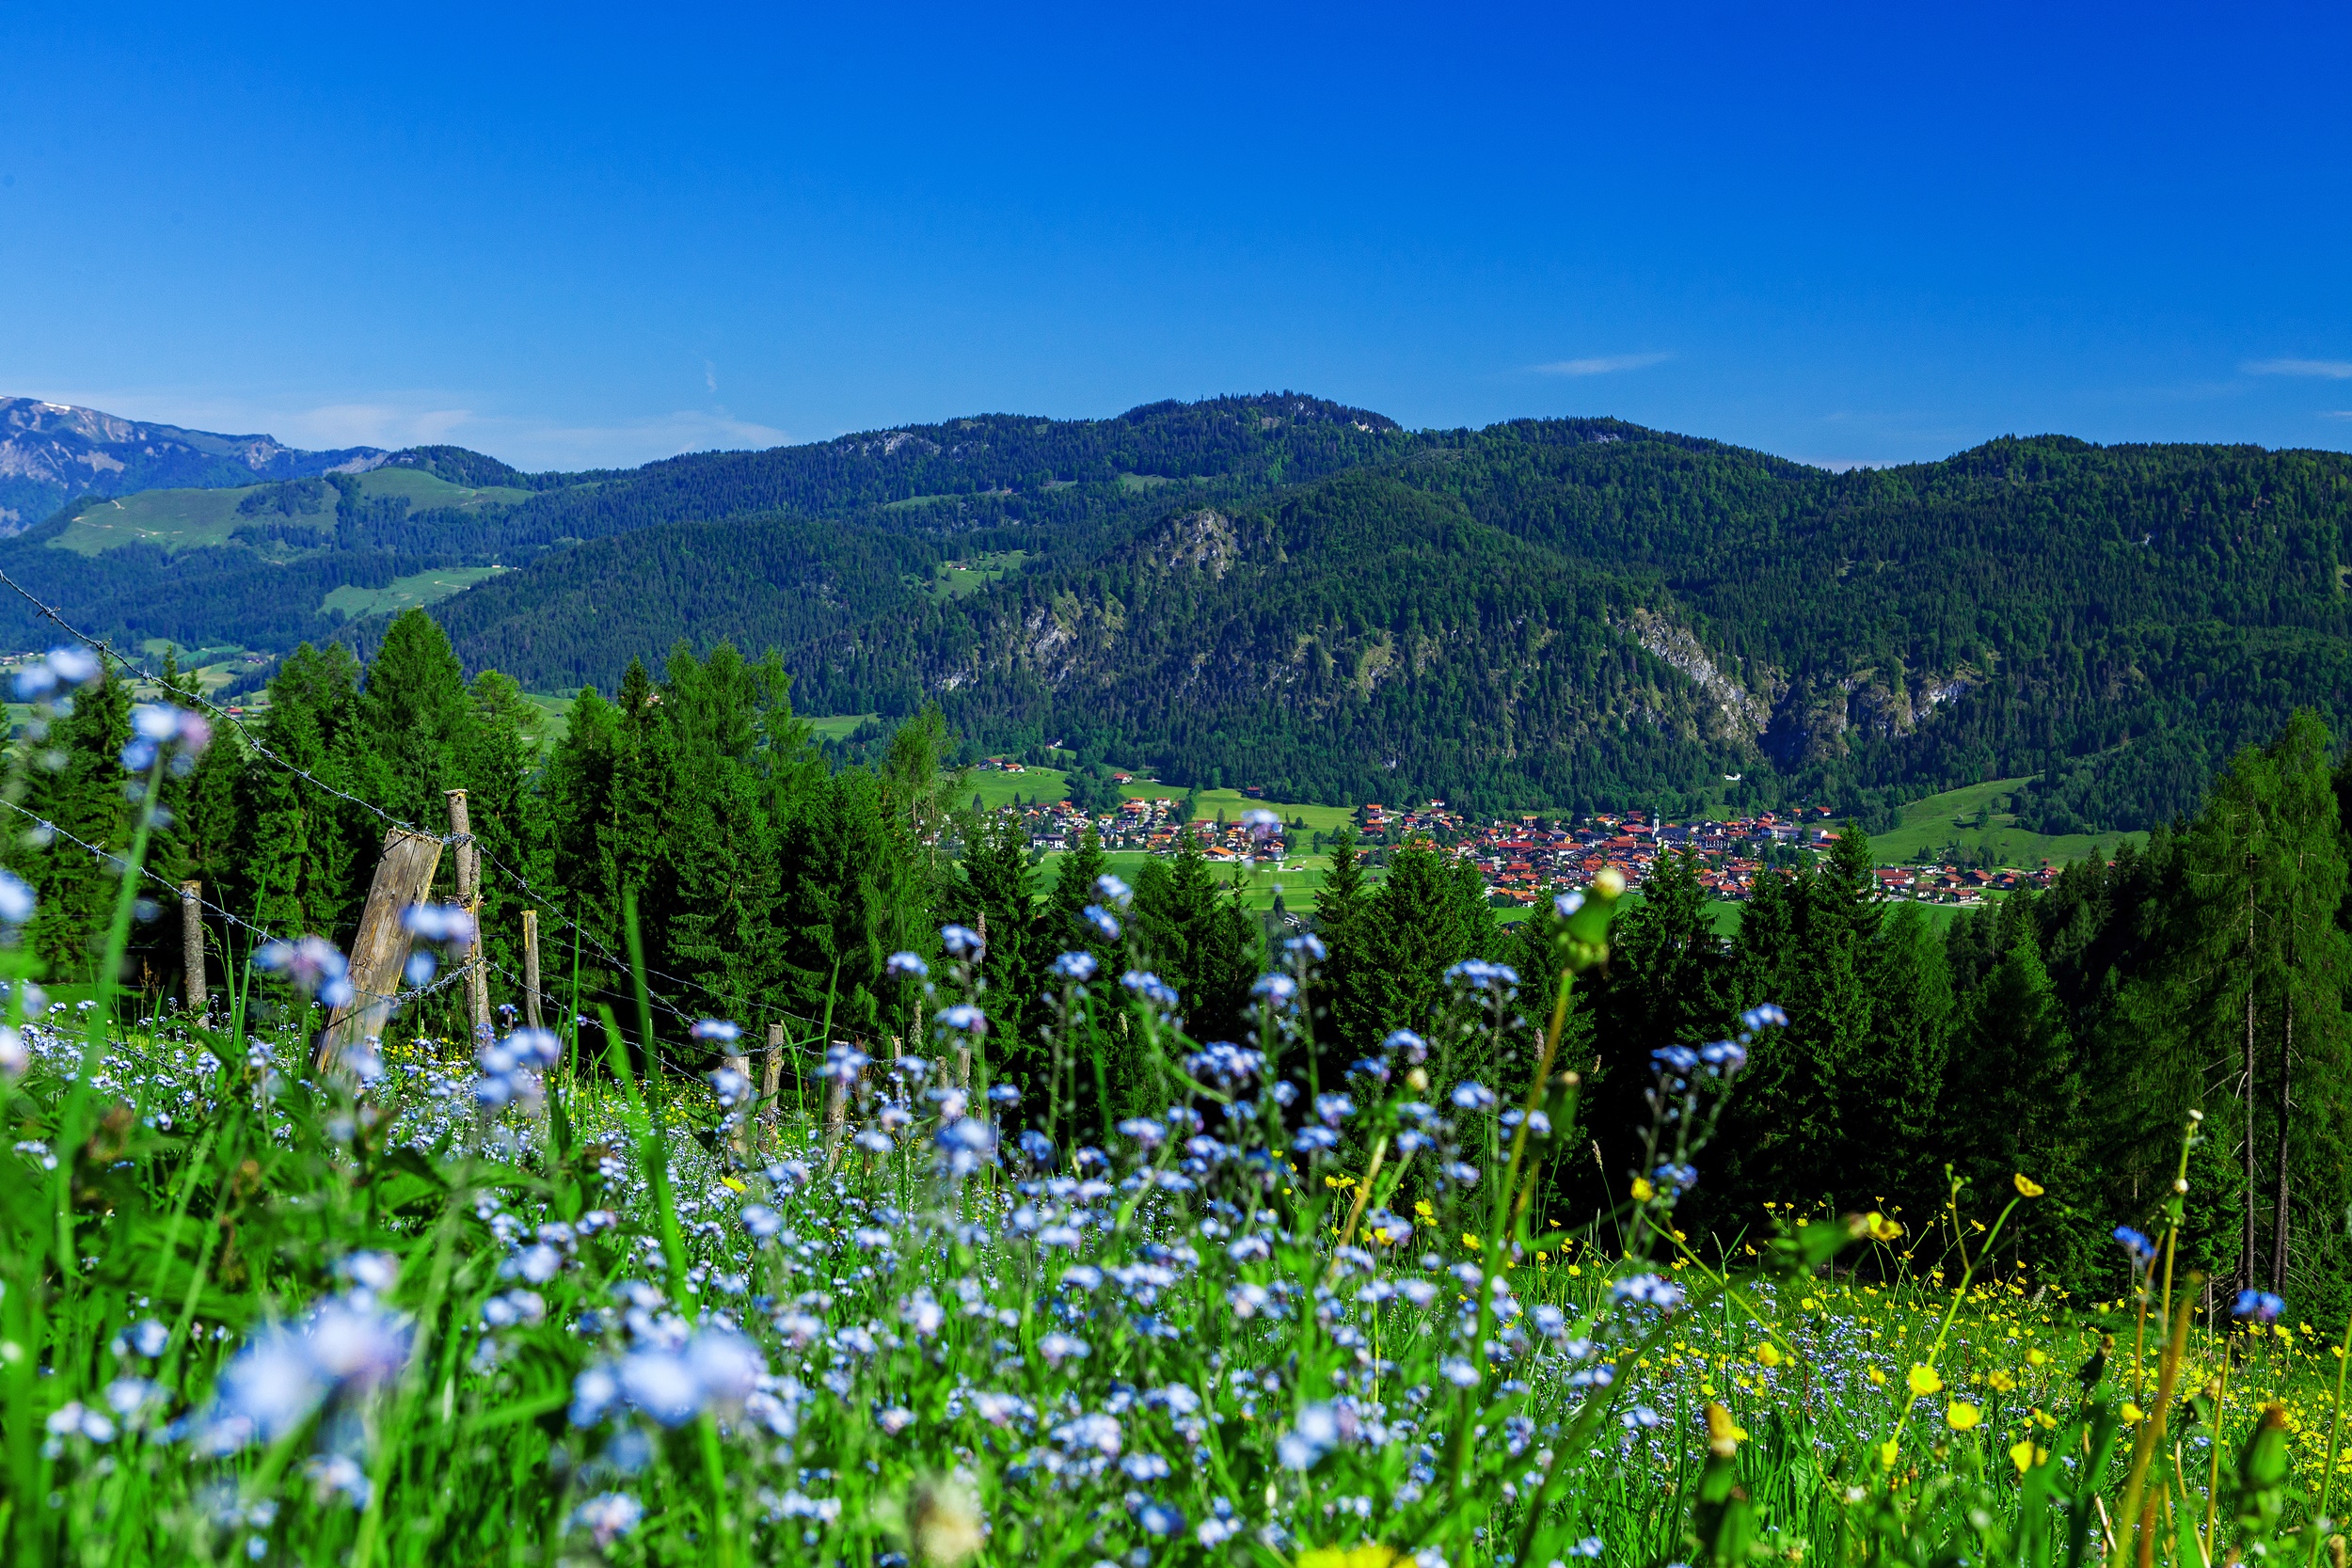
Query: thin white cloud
point(2333, 369)
point(2336, 413)
point(1602, 364)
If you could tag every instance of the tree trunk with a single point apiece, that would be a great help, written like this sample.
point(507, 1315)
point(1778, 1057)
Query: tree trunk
point(2279, 1218)
point(2249, 1094)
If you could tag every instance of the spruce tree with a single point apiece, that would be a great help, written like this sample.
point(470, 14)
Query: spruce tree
point(1668, 982)
point(993, 889)
point(2012, 1103)
point(418, 720)
point(1197, 939)
point(579, 784)
point(1338, 925)
point(1062, 926)
point(713, 879)
point(306, 855)
point(1897, 1083)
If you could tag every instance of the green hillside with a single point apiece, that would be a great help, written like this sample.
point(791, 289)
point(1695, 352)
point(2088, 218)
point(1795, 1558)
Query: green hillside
point(1978, 824)
point(1303, 598)
point(176, 520)
point(420, 588)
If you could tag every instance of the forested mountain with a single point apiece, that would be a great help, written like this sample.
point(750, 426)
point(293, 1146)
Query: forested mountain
point(51, 452)
point(1283, 591)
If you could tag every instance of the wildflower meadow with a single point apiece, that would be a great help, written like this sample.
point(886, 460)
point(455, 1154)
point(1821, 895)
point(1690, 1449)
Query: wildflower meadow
point(274, 1294)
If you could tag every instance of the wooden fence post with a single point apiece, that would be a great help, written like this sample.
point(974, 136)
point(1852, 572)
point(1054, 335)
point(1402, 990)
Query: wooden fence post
point(530, 968)
point(192, 944)
point(836, 1118)
point(739, 1129)
point(380, 952)
point(477, 983)
point(771, 1079)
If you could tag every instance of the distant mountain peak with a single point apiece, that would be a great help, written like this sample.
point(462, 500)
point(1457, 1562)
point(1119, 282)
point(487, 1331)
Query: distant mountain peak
point(53, 453)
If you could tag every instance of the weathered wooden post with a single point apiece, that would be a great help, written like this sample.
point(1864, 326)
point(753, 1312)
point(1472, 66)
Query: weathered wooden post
point(192, 946)
point(380, 952)
point(837, 1116)
point(530, 968)
point(771, 1079)
point(469, 893)
point(739, 1129)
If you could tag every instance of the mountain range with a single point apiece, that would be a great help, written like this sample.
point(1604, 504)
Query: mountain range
point(1289, 593)
point(51, 452)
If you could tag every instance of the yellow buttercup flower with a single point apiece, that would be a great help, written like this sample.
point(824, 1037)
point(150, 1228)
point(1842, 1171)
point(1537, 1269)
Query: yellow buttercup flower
point(1960, 1415)
point(2023, 1454)
point(1924, 1381)
point(2133, 1415)
point(2037, 1358)
point(2001, 1382)
point(1878, 1379)
point(1768, 1354)
point(1880, 1227)
point(1369, 1555)
point(2026, 1185)
point(1642, 1191)
point(1472, 1241)
point(1887, 1453)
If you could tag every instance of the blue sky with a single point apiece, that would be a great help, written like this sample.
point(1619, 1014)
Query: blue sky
point(587, 235)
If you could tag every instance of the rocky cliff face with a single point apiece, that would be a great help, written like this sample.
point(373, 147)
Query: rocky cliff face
point(51, 452)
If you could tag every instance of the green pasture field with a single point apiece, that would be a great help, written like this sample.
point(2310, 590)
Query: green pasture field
point(1233, 802)
point(193, 519)
point(833, 726)
point(420, 588)
point(1936, 821)
point(953, 580)
point(430, 491)
point(174, 519)
point(1299, 878)
point(1034, 786)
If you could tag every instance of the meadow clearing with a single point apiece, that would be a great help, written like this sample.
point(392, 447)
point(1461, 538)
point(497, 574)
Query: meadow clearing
point(554, 1300)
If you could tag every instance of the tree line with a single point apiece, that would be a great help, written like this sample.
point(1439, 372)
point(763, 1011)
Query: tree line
point(2063, 1035)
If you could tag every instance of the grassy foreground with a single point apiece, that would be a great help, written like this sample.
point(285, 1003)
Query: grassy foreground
point(515, 1306)
point(272, 1295)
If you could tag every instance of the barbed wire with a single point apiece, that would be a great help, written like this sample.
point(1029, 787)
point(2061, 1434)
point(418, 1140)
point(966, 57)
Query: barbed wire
point(565, 918)
point(232, 719)
point(120, 864)
point(562, 916)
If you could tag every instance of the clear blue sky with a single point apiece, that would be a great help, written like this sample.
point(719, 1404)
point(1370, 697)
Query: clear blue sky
point(586, 234)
